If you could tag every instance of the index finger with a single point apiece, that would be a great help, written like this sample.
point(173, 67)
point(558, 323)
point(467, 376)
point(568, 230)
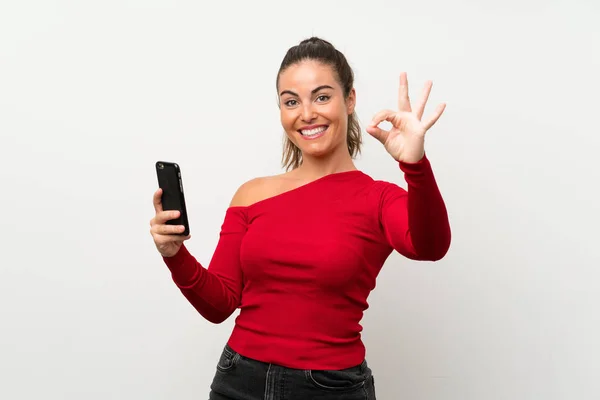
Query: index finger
point(384, 115)
point(157, 200)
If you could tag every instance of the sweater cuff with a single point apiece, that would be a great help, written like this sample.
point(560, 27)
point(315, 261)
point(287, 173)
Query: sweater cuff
point(177, 259)
point(417, 168)
point(183, 267)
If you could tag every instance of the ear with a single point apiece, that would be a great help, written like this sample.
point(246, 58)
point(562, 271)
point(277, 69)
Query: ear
point(351, 102)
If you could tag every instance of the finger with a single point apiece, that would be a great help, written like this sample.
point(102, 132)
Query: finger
point(397, 119)
point(434, 116)
point(180, 238)
point(171, 229)
point(162, 217)
point(374, 130)
point(383, 115)
point(420, 107)
point(168, 215)
point(157, 200)
point(403, 99)
point(378, 133)
point(168, 230)
point(165, 239)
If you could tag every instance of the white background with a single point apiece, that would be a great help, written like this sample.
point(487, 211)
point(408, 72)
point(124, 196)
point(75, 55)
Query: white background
point(93, 93)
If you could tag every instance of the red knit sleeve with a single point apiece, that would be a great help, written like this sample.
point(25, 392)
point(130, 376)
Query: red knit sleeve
point(215, 292)
point(415, 221)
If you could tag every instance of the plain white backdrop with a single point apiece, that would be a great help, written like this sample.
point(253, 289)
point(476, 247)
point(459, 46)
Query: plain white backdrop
point(93, 93)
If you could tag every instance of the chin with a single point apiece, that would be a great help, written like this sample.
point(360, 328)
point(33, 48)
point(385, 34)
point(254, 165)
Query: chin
point(314, 147)
point(318, 150)
point(316, 153)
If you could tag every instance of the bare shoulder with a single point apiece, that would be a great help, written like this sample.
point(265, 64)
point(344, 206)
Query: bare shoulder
point(258, 189)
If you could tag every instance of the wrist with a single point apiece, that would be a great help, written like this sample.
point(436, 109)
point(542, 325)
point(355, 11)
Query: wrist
point(413, 150)
point(411, 158)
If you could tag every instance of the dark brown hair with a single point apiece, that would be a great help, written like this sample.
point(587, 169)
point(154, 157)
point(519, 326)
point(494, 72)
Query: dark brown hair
point(317, 49)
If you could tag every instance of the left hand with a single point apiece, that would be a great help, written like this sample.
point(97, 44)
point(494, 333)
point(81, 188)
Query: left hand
point(405, 141)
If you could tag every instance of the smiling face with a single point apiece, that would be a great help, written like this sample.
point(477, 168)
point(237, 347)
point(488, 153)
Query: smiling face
point(314, 111)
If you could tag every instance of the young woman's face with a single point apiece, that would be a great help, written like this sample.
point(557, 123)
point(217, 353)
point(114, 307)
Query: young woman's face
point(314, 112)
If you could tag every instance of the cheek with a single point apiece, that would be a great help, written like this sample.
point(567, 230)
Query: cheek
point(338, 116)
point(287, 120)
point(336, 112)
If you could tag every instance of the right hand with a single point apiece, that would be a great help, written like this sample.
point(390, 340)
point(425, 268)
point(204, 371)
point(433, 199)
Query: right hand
point(167, 238)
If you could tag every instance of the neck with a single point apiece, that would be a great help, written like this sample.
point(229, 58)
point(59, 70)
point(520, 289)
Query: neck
point(316, 167)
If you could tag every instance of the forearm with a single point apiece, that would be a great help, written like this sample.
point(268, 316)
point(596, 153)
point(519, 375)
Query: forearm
point(427, 214)
point(215, 296)
point(415, 221)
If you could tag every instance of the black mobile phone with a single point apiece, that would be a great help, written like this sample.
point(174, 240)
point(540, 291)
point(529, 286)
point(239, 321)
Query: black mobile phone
point(169, 180)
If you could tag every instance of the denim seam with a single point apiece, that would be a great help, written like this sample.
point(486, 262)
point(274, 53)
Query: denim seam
point(333, 389)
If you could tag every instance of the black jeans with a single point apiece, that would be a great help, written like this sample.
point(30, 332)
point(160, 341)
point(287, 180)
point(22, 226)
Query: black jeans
point(241, 378)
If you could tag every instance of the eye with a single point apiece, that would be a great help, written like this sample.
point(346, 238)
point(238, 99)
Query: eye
point(323, 97)
point(290, 103)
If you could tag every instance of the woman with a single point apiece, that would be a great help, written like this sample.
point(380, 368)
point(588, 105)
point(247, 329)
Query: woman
point(299, 252)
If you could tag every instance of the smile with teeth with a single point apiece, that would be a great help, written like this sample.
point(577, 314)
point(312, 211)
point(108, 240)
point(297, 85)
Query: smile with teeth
point(311, 133)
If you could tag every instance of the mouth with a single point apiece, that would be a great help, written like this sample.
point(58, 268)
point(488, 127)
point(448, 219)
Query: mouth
point(313, 132)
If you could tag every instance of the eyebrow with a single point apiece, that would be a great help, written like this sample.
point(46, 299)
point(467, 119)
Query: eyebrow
point(315, 90)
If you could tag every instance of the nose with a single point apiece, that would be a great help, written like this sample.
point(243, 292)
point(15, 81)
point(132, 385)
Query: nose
point(308, 113)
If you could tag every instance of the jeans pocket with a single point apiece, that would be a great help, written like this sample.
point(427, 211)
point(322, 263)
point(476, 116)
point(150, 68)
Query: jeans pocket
point(339, 380)
point(228, 359)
